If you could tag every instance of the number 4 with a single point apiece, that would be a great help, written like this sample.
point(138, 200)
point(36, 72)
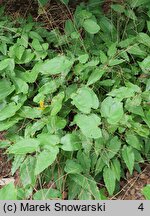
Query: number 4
point(141, 207)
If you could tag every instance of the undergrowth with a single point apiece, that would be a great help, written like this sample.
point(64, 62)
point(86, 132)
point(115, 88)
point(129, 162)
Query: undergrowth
point(76, 104)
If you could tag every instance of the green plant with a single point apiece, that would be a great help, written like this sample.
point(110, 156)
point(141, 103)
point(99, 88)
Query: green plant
point(76, 104)
point(146, 192)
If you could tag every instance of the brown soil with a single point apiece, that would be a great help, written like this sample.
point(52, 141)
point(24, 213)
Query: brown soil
point(53, 15)
point(131, 187)
point(5, 163)
point(5, 166)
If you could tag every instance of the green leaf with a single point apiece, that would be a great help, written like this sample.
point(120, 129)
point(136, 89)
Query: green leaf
point(45, 158)
point(136, 50)
point(144, 39)
point(29, 112)
point(36, 45)
point(75, 35)
point(23, 40)
point(21, 86)
point(42, 2)
point(133, 140)
point(31, 129)
point(57, 65)
point(47, 194)
point(130, 14)
point(112, 109)
point(73, 190)
point(8, 192)
point(91, 26)
point(48, 139)
point(100, 164)
point(141, 129)
point(19, 51)
point(84, 160)
point(8, 123)
point(138, 3)
point(146, 118)
point(46, 89)
point(114, 62)
point(116, 168)
point(65, 1)
point(4, 144)
point(69, 27)
point(87, 183)
point(94, 62)
point(34, 34)
point(125, 92)
point(145, 64)
point(106, 25)
point(85, 99)
point(71, 142)
point(89, 125)
point(18, 159)
point(118, 8)
point(95, 76)
point(107, 82)
point(109, 179)
point(55, 123)
point(83, 58)
point(27, 172)
point(84, 195)
point(7, 64)
point(24, 146)
point(3, 48)
point(148, 25)
point(133, 106)
point(103, 57)
point(49, 87)
point(27, 56)
point(112, 50)
point(56, 103)
point(9, 110)
point(128, 157)
point(72, 167)
point(113, 147)
point(5, 88)
point(29, 76)
point(146, 192)
point(138, 158)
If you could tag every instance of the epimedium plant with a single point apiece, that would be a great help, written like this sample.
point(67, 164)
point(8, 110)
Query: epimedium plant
point(75, 105)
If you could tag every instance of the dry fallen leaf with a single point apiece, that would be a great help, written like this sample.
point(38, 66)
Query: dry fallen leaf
point(5, 181)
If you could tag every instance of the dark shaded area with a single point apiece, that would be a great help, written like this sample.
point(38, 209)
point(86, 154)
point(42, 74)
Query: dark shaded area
point(130, 188)
point(53, 14)
point(5, 165)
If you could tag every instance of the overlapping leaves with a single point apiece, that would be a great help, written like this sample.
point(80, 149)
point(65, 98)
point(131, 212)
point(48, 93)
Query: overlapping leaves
point(76, 105)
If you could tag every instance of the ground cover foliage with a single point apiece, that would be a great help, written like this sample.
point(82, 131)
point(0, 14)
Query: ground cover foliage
point(76, 104)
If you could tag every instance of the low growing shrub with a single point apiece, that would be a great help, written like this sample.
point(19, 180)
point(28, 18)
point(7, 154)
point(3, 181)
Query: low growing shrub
point(76, 105)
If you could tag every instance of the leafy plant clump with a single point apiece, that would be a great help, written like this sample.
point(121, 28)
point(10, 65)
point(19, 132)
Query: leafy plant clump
point(76, 105)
